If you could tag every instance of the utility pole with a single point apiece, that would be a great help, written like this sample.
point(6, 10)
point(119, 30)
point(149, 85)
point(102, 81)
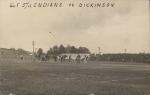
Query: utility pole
point(33, 46)
point(125, 51)
point(99, 50)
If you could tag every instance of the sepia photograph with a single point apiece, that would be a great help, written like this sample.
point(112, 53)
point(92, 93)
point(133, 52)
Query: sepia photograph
point(74, 47)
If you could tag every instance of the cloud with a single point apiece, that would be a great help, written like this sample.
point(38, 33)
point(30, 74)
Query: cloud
point(124, 26)
point(79, 20)
point(75, 20)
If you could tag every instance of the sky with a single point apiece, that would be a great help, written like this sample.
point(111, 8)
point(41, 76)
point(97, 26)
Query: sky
point(125, 26)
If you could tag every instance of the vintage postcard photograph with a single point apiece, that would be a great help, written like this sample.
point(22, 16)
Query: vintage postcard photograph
point(74, 47)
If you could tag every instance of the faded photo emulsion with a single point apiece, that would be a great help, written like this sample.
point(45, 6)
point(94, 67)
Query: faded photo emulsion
point(74, 47)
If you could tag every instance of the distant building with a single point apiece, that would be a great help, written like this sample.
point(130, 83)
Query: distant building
point(74, 55)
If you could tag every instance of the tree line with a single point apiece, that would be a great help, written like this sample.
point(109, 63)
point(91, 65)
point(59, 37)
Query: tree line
point(122, 57)
point(56, 50)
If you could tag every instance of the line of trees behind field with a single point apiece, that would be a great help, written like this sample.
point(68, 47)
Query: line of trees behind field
point(68, 49)
point(56, 50)
point(13, 53)
point(122, 57)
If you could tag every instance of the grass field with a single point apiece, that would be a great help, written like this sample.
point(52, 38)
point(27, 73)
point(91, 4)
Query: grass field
point(94, 78)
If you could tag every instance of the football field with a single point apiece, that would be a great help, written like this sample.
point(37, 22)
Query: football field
point(93, 78)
